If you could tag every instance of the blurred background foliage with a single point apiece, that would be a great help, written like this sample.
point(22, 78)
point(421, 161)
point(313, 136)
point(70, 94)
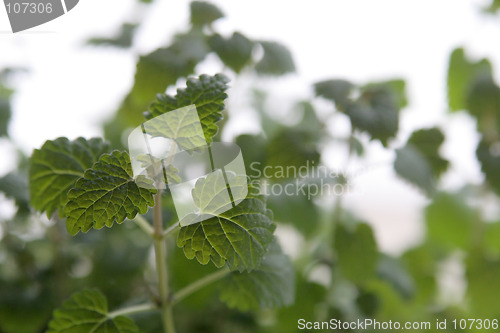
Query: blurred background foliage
point(340, 271)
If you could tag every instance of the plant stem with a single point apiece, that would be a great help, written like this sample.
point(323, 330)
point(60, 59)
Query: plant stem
point(161, 266)
point(173, 228)
point(144, 225)
point(133, 310)
point(197, 285)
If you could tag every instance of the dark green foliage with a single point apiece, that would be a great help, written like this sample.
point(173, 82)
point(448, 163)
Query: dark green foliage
point(206, 92)
point(55, 168)
point(203, 13)
point(419, 161)
point(124, 39)
point(357, 252)
point(277, 60)
point(235, 52)
point(239, 237)
point(106, 193)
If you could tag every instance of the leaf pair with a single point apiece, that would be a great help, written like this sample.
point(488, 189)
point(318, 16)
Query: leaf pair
point(375, 111)
point(91, 188)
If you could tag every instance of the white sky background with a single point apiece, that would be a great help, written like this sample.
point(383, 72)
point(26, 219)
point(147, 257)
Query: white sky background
point(72, 88)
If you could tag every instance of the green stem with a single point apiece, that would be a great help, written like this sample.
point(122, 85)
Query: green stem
point(199, 284)
point(144, 225)
point(132, 310)
point(161, 266)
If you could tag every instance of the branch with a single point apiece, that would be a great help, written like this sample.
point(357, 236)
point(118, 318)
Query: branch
point(199, 284)
point(133, 310)
point(144, 225)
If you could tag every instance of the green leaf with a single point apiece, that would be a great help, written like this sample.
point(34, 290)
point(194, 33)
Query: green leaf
point(494, 7)
point(291, 148)
point(309, 297)
point(488, 156)
point(206, 92)
point(154, 73)
point(55, 168)
point(210, 193)
point(297, 210)
point(277, 60)
point(271, 285)
point(419, 161)
point(449, 222)
point(15, 186)
point(204, 13)
point(376, 112)
point(461, 73)
point(422, 265)
point(239, 237)
point(428, 141)
point(234, 52)
point(87, 311)
point(483, 284)
point(356, 251)
point(124, 38)
point(253, 148)
point(338, 91)
point(411, 165)
point(397, 86)
point(483, 102)
point(107, 193)
point(5, 110)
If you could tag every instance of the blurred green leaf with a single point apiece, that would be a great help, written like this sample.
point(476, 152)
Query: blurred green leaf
point(55, 168)
point(428, 141)
point(310, 123)
point(422, 265)
point(15, 186)
point(308, 301)
point(461, 73)
point(297, 210)
point(483, 102)
point(397, 86)
point(235, 52)
point(338, 91)
point(493, 8)
point(419, 161)
point(124, 38)
point(239, 237)
point(5, 110)
point(391, 270)
point(291, 149)
point(271, 285)
point(204, 13)
point(206, 92)
point(411, 165)
point(356, 252)
point(483, 285)
point(107, 193)
point(277, 60)
point(376, 112)
point(492, 238)
point(449, 222)
point(154, 73)
point(253, 149)
point(489, 157)
point(87, 311)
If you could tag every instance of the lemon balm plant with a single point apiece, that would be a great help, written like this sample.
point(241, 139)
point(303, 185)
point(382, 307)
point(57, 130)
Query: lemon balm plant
point(90, 186)
point(113, 256)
